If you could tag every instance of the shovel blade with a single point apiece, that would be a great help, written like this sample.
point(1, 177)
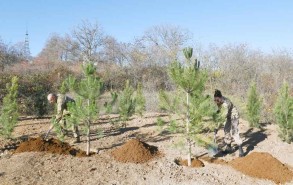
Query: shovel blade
point(213, 150)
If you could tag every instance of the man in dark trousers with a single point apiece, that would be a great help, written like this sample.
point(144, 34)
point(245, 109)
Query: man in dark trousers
point(62, 111)
point(231, 116)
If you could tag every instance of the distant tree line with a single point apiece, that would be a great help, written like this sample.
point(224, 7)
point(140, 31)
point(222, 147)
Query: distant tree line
point(144, 60)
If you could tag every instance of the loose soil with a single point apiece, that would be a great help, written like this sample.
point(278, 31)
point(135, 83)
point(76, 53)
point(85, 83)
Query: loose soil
point(135, 151)
point(213, 160)
point(49, 146)
point(263, 165)
point(195, 163)
point(270, 165)
point(258, 164)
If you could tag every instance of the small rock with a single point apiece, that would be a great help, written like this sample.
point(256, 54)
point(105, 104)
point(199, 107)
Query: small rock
point(93, 169)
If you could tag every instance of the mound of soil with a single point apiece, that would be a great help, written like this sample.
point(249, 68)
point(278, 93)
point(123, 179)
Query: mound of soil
point(195, 163)
point(263, 165)
point(50, 146)
point(135, 151)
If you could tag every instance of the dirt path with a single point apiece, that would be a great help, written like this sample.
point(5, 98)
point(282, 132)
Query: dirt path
point(102, 168)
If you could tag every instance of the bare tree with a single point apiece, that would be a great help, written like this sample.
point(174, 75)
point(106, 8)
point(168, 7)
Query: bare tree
point(238, 65)
point(90, 37)
point(53, 49)
point(114, 51)
point(71, 49)
point(163, 43)
point(8, 55)
point(58, 48)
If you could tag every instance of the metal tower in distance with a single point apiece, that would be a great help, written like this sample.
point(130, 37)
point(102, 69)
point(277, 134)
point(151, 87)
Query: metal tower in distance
point(27, 53)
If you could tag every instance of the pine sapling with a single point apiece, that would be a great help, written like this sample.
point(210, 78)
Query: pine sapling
point(253, 106)
point(109, 105)
point(140, 100)
point(9, 110)
point(127, 103)
point(283, 112)
point(196, 108)
point(85, 109)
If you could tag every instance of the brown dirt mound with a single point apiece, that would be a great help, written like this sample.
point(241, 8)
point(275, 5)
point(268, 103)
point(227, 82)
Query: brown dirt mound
point(135, 151)
point(51, 146)
point(195, 163)
point(263, 165)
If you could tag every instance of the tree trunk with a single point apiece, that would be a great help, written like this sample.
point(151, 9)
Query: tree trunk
point(88, 131)
point(88, 139)
point(187, 131)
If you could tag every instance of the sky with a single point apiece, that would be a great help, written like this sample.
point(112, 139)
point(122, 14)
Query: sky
point(262, 24)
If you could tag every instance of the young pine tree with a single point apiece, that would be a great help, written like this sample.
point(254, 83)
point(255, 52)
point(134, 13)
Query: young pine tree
point(9, 112)
point(140, 100)
point(109, 105)
point(130, 102)
point(85, 109)
point(127, 103)
point(253, 106)
point(190, 102)
point(283, 111)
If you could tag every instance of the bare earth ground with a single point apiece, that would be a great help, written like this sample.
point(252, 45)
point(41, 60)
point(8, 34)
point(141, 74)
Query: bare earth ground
point(102, 168)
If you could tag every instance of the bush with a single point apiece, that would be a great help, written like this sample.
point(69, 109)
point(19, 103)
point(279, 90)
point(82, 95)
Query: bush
point(33, 89)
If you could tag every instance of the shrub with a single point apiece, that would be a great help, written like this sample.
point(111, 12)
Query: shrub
point(34, 87)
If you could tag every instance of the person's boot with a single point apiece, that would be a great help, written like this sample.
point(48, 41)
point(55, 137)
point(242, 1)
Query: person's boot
point(241, 153)
point(76, 134)
point(228, 149)
point(78, 139)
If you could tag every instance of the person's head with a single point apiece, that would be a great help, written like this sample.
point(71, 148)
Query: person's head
point(52, 98)
point(218, 98)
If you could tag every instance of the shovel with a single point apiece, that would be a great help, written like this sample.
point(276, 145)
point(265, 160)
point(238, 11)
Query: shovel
point(52, 126)
point(48, 132)
point(213, 148)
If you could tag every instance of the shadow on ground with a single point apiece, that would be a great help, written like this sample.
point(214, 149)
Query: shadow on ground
point(251, 138)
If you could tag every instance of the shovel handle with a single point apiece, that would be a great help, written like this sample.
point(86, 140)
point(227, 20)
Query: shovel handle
point(215, 136)
point(48, 132)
